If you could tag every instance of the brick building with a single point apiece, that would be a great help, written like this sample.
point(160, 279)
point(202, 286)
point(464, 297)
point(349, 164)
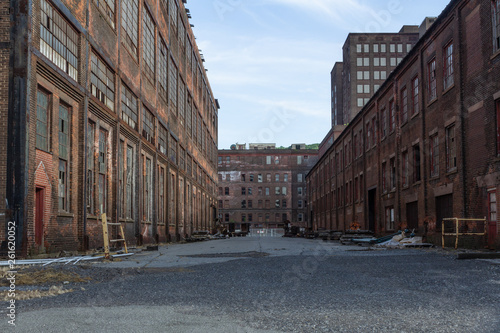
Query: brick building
point(368, 59)
point(107, 108)
point(263, 187)
point(426, 145)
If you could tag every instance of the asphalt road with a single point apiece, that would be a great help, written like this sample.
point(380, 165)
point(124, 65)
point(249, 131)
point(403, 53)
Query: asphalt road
point(274, 285)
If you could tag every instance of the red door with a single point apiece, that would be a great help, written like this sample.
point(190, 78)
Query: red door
point(39, 212)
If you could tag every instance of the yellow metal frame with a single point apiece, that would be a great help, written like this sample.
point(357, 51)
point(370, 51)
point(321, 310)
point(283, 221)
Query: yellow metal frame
point(457, 234)
point(105, 235)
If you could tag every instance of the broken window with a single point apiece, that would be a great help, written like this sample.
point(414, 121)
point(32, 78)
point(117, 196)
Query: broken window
point(283, 203)
point(243, 191)
point(283, 190)
point(277, 190)
point(268, 177)
point(251, 177)
point(148, 126)
point(130, 24)
point(392, 176)
point(42, 121)
point(277, 177)
point(299, 190)
point(259, 178)
point(285, 177)
point(250, 204)
point(58, 40)
point(389, 218)
point(129, 107)
point(260, 190)
point(448, 66)
point(249, 191)
point(495, 11)
point(226, 191)
point(431, 76)
point(242, 177)
point(243, 204)
point(102, 82)
point(173, 149)
point(162, 139)
point(173, 86)
point(64, 129)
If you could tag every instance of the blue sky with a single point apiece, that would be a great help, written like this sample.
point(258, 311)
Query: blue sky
point(269, 61)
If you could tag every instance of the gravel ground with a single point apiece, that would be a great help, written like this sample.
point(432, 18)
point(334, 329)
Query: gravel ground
point(335, 290)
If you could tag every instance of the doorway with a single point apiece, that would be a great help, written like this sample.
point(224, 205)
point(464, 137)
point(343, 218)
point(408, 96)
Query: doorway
point(444, 209)
point(39, 213)
point(412, 215)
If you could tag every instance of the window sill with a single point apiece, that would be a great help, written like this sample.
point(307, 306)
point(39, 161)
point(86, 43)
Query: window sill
point(495, 55)
point(434, 100)
point(451, 172)
point(435, 177)
point(146, 222)
point(65, 214)
point(417, 183)
point(414, 115)
point(449, 88)
point(126, 221)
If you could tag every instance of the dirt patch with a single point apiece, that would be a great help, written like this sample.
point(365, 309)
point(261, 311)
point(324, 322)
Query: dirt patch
point(36, 276)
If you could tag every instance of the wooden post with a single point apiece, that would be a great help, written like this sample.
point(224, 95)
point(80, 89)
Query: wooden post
point(105, 236)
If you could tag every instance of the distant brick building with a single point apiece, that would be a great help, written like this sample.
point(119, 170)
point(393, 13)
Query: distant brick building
point(106, 108)
point(426, 145)
point(263, 187)
point(368, 59)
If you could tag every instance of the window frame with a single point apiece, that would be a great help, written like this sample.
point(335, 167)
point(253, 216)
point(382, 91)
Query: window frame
point(448, 71)
point(432, 79)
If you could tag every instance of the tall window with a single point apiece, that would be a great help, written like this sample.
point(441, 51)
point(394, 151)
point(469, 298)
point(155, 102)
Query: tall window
point(173, 149)
point(434, 155)
point(416, 163)
point(173, 13)
point(129, 107)
point(58, 40)
point(431, 76)
point(162, 139)
point(173, 85)
point(42, 121)
point(182, 98)
point(448, 66)
point(492, 207)
point(495, 10)
point(383, 116)
point(90, 167)
point(63, 157)
point(162, 70)
point(414, 96)
point(392, 116)
point(404, 105)
point(103, 169)
point(148, 126)
point(130, 24)
point(129, 183)
point(148, 46)
point(107, 8)
point(389, 218)
point(189, 111)
point(102, 82)
point(161, 196)
point(451, 152)
point(404, 166)
point(148, 191)
point(392, 174)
